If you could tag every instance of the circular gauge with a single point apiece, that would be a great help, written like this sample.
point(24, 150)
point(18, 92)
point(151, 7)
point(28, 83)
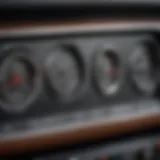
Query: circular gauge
point(108, 72)
point(19, 81)
point(143, 67)
point(64, 71)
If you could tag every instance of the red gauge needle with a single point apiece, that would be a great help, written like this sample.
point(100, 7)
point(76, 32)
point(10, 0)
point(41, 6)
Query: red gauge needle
point(14, 80)
point(111, 70)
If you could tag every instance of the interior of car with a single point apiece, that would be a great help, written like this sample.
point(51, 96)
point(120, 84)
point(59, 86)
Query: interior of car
point(80, 80)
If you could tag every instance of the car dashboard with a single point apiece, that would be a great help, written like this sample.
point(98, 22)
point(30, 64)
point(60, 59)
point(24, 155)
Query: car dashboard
point(68, 80)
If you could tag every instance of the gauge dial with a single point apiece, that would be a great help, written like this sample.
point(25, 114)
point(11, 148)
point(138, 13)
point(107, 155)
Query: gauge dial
point(63, 72)
point(108, 72)
point(18, 82)
point(143, 72)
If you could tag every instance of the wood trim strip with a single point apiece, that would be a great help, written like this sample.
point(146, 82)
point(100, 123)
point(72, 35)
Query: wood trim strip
point(36, 24)
point(76, 135)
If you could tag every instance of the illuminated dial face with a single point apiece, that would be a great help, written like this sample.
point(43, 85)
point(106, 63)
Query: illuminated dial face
point(63, 72)
point(142, 71)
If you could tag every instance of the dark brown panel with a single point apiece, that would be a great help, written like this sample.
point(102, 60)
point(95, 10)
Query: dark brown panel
point(76, 135)
point(37, 24)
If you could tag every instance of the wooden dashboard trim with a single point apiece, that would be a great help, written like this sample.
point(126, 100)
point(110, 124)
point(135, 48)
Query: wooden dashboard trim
point(101, 130)
point(48, 28)
point(77, 135)
point(35, 24)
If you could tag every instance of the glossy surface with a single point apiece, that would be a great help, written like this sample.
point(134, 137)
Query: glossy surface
point(108, 72)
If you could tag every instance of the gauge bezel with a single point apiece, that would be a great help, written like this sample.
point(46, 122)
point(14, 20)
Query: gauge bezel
point(105, 49)
point(77, 56)
point(22, 53)
point(153, 60)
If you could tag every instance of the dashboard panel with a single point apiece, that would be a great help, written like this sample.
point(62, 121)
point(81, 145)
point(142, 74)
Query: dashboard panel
point(63, 83)
point(132, 147)
point(141, 145)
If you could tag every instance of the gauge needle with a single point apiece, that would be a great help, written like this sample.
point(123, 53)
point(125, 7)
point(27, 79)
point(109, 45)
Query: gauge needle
point(111, 71)
point(14, 80)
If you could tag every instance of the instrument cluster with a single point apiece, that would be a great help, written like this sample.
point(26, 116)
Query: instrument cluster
point(85, 68)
